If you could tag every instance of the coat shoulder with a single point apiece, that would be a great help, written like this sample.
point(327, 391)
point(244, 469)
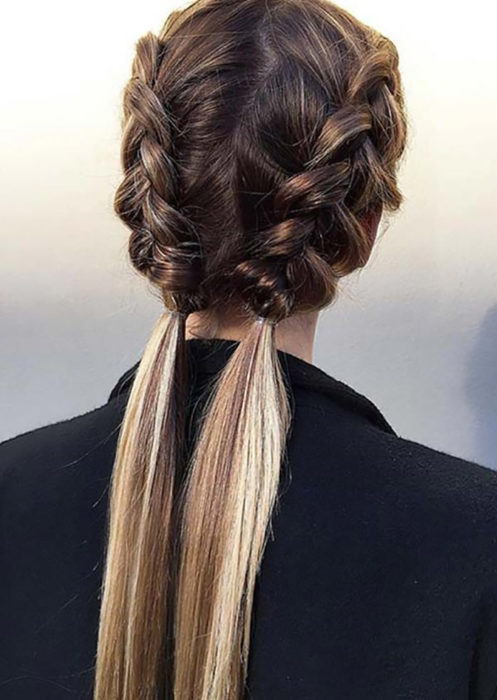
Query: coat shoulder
point(411, 482)
point(48, 461)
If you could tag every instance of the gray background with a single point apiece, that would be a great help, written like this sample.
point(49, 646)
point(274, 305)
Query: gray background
point(416, 330)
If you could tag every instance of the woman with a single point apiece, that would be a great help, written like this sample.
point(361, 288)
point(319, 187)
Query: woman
point(270, 535)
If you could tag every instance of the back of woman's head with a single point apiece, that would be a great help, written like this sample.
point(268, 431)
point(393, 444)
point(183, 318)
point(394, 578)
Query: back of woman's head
point(260, 136)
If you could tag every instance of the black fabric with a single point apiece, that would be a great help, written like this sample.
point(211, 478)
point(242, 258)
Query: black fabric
point(379, 581)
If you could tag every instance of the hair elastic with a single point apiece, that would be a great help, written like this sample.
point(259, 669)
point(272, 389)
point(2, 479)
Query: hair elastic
point(265, 319)
point(178, 314)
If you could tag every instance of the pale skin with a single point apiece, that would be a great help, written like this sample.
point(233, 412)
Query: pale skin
point(295, 334)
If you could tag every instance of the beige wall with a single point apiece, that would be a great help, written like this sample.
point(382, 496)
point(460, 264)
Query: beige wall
point(416, 330)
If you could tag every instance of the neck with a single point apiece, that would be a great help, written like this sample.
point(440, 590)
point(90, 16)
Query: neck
point(294, 335)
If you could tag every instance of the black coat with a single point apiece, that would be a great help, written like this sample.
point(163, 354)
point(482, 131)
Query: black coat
point(380, 582)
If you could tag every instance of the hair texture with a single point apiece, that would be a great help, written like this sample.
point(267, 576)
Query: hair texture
point(259, 137)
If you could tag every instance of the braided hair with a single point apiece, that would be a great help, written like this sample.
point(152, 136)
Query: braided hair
point(259, 137)
point(163, 244)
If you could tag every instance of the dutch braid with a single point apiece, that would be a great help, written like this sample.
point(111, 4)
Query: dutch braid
point(139, 575)
point(163, 244)
point(350, 171)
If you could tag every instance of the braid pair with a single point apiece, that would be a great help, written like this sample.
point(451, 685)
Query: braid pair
point(259, 138)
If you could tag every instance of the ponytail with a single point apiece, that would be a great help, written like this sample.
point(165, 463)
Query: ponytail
point(229, 495)
point(138, 574)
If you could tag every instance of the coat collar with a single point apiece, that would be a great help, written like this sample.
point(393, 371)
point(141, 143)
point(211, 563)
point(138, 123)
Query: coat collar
point(210, 355)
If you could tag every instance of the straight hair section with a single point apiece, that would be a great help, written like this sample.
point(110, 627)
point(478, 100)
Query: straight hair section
point(229, 496)
point(138, 576)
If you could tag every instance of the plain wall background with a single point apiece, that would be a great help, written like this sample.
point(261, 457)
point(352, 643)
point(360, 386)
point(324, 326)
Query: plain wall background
point(416, 330)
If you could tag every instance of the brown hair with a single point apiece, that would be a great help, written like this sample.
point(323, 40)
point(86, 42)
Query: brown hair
point(259, 136)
